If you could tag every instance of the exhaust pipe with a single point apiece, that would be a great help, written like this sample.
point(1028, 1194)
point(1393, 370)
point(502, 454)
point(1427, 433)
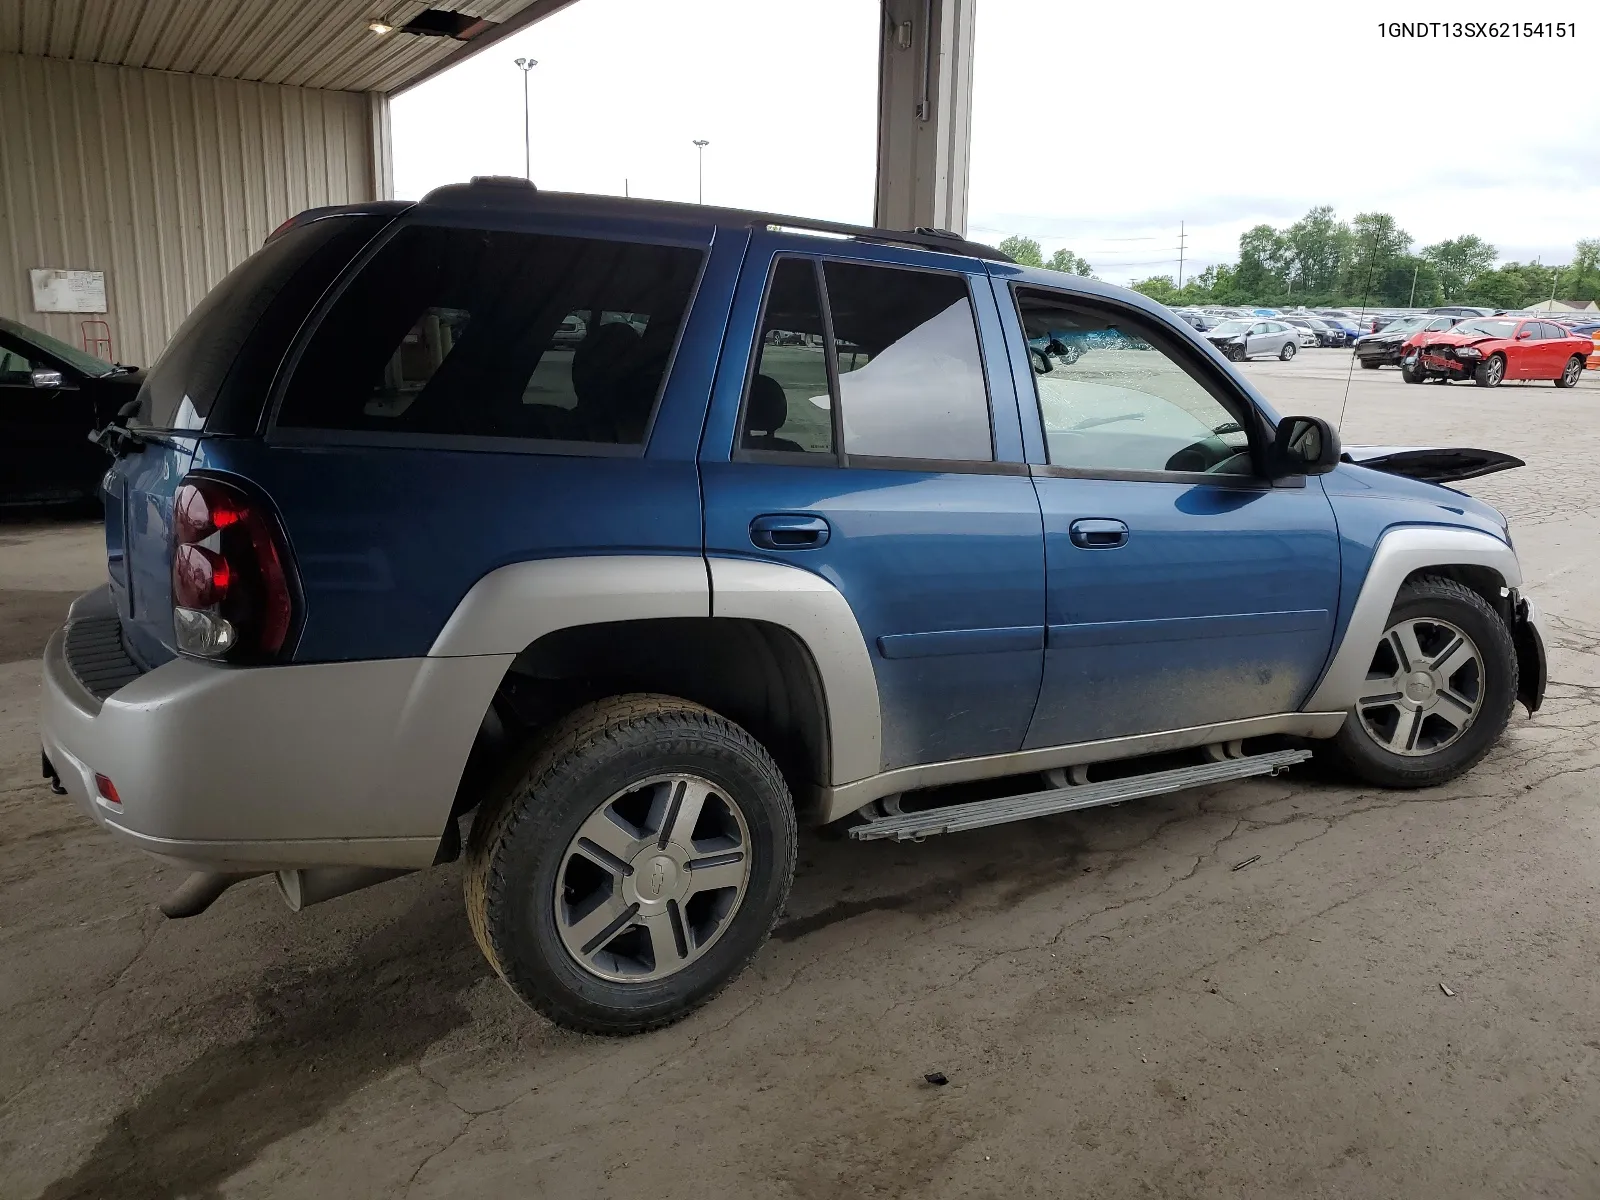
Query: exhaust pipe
point(313, 885)
point(199, 892)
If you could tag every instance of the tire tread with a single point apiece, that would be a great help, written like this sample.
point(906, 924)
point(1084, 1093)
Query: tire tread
point(554, 758)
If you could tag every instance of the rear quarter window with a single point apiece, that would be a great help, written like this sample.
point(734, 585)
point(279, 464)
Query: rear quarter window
point(496, 334)
point(216, 370)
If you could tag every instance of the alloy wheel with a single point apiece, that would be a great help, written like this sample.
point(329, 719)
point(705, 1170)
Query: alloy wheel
point(1574, 369)
point(1423, 689)
point(652, 879)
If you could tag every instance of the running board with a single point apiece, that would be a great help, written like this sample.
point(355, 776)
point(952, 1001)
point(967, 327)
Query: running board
point(956, 817)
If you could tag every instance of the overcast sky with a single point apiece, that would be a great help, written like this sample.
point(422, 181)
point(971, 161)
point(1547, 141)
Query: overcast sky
point(1095, 127)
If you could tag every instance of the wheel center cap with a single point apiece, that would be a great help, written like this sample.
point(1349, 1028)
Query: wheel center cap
point(1420, 687)
point(656, 877)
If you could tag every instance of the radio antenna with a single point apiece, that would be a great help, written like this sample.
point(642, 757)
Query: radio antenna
point(1366, 291)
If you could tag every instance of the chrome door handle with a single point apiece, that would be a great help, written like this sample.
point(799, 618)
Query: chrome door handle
point(1098, 533)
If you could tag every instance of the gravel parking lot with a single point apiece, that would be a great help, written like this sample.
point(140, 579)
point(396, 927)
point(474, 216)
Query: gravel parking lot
point(1121, 1007)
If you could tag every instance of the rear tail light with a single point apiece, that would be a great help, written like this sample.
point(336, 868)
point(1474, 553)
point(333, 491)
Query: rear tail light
point(231, 573)
point(107, 789)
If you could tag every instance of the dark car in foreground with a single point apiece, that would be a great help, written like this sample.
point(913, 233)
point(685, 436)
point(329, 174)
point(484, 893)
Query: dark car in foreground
point(1490, 350)
point(639, 609)
point(52, 397)
point(1384, 348)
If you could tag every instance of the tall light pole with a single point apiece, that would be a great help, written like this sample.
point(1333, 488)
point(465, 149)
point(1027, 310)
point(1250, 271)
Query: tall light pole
point(527, 65)
point(701, 144)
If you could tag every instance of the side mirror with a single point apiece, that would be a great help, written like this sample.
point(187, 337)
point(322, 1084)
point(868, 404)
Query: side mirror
point(1526, 333)
point(1304, 446)
point(44, 377)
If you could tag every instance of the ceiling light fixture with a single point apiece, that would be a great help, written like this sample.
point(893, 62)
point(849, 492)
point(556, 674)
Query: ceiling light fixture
point(380, 27)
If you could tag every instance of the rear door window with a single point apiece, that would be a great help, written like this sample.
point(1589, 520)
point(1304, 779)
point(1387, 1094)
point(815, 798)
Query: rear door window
point(910, 372)
point(907, 373)
point(497, 334)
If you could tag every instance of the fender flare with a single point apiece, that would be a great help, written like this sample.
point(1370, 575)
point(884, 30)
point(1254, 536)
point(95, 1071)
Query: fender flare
point(514, 606)
point(1401, 551)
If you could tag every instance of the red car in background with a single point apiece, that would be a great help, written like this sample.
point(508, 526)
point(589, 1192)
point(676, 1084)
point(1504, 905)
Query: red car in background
point(1490, 350)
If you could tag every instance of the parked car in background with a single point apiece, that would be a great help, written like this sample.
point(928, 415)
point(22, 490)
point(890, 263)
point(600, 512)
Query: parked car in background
point(1461, 310)
point(569, 333)
point(1347, 328)
point(1338, 314)
point(1241, 340)
point(1490, 350)
point(1322, 333)
point(1306, 335)
point(639, 609)
point(1591, 330)
point(1383, 349)
point(52, 397)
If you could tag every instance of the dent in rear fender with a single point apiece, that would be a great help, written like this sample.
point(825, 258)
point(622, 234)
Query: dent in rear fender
point(511, 608)
point(818, 614)
point(1400, 552)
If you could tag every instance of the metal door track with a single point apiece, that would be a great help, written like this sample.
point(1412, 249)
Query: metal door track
point(956, 817)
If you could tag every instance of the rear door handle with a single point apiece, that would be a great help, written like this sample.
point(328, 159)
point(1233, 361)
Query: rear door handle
point(789, 531)
point(1098, 533)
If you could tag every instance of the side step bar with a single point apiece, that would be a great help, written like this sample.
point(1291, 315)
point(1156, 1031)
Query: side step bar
point(956, 817)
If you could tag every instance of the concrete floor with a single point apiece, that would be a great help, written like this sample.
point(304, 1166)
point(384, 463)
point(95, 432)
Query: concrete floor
point(1119, 1010)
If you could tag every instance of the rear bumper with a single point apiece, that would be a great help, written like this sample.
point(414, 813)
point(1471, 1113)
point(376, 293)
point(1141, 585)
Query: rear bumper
point(259, 769)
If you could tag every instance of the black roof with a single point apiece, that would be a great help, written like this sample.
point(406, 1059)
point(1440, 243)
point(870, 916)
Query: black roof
point(499, 191)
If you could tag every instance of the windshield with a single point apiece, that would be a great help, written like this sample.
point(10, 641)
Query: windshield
point(1404, 324)
point(1495, 329)
point(1229, 327)
point(78, 360)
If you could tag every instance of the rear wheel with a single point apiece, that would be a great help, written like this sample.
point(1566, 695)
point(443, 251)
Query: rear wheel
point(1288, 351)
point(1438, 691)
point(1570, 375)
point(635, 868)
point(1491, 371)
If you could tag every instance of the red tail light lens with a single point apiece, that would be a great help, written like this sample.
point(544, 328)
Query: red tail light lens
point(231, 576)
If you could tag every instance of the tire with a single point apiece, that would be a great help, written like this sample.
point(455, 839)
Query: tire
point(1289, 350)
point(1370, 366)
point(1412, 374)
point(625, 765)
point(1572, 373)
point(1439, 610)
point(1491, 371)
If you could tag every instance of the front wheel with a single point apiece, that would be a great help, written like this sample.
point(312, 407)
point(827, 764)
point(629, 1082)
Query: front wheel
point(1569, 376)
point(1491, 372)
point(1370, 365)
point(635, 868)
point(1287, 352)
point(1438, 691)
point(1412, 373)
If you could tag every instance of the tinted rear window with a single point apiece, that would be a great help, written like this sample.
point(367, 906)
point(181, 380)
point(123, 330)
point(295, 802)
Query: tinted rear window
point(234, 339)
point(487, 333)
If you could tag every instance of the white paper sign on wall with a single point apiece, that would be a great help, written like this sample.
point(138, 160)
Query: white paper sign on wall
point(68, 291)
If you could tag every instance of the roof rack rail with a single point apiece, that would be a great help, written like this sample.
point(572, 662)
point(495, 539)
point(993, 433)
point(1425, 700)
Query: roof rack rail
point(923, 236)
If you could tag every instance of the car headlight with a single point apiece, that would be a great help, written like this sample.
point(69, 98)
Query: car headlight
point(1468, 352)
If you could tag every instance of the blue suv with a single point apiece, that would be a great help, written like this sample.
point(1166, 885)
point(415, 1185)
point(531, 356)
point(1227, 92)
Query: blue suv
point(637, 531)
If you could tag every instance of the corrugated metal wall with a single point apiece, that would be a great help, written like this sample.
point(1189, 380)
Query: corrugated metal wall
point(163, 181)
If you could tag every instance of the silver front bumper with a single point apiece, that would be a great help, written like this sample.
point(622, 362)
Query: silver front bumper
point(223, 768)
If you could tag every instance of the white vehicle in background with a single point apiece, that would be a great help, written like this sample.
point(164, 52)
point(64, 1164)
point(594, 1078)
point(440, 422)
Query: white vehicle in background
point(1304, 333)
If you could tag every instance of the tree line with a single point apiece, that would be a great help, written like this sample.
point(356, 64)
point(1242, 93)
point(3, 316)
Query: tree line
point(1369, 260)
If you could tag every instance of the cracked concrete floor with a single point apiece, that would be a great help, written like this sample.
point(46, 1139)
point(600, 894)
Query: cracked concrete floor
point(1119, 1012)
